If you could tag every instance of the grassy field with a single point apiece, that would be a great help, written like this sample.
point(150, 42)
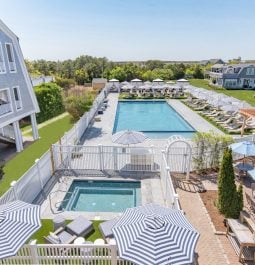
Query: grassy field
point(17, 166)
point(247, 95)
point(47, 227)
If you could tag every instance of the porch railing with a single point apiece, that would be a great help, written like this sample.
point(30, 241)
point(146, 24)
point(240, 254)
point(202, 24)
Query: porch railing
point(5, 108)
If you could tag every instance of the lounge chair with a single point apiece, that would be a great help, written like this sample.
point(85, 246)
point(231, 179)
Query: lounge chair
point(80, 226)
point(60, 236)
point(106, 228)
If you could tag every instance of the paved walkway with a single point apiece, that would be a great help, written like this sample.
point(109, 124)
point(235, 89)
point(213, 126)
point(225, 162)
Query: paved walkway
point(208, 248)
point(43, 124)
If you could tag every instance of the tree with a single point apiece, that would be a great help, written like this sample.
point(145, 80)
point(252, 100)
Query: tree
point(229, 199)
point(198, 73)
point(81, 76)
point(118, 73)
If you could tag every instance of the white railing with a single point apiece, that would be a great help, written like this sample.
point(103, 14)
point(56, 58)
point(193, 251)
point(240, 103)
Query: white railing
point(169, 193)
point(46, 254)
point(101, 157)
point(5, 108)
point(7, 131)
point(36, 177)
point(41, 172)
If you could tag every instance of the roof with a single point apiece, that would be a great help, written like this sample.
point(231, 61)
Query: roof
point(99, 80)
point(218, 65)
point(250, 112)
point(214, 61)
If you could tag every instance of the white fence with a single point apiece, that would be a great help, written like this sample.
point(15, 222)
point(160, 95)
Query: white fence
point(66, 255)
point(36, 81)
point(40, 173)
point(169, 194)
point(106, 158)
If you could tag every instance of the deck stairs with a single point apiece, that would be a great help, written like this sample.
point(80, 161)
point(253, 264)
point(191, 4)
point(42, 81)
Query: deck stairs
point(7, 135)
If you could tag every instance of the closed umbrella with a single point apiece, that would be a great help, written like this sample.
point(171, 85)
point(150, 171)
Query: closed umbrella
point(129, 137)
point(18, 221)
point(155, 235)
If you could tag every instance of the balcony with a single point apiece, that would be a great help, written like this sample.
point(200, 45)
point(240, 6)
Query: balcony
point(5, 108)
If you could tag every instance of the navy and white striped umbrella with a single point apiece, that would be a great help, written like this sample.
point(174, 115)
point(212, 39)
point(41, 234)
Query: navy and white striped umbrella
point(155, 235)
point(18, 221)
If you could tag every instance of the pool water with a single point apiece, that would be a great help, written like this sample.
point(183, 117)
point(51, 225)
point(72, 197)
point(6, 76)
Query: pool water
point(157, 119)
point(102, 196)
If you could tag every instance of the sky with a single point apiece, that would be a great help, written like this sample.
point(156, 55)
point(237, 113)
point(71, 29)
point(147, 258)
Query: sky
point(126, 30)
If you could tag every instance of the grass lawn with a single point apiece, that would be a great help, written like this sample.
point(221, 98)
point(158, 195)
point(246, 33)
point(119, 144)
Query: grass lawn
point(17, 166)
point(47, 226)
point(247, 95)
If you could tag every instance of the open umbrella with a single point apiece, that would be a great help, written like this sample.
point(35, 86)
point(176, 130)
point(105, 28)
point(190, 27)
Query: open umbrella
point(128, 137)
point(154, 235)
point(245, 148)
point(18, 221)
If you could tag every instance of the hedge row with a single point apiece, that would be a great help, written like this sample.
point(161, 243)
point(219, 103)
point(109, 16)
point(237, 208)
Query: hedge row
point(50, 101)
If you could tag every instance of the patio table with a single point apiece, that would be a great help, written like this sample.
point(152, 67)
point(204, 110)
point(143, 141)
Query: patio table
point(244, 167)
point(243, 235)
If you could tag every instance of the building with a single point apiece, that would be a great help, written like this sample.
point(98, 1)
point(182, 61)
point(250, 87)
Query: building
point(99, 83)
point(212, 61)
point(233, 76)
point(17, 97)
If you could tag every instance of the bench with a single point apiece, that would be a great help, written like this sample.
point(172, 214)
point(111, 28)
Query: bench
point(241, 239)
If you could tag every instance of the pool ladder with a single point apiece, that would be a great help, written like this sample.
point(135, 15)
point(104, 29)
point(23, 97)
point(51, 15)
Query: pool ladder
point(57, 204)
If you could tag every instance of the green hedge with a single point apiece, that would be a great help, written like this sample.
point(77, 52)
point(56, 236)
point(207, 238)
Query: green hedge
point(50, 101)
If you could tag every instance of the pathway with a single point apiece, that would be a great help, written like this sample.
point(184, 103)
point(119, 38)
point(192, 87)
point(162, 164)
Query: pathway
point(208, 248)
point(43, 124)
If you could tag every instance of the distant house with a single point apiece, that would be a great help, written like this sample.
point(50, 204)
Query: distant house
point(233, 76)
point(99, 83)
point(212, 61)
point(17, 97)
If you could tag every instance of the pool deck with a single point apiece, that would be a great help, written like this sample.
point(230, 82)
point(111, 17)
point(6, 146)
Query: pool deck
point(151, 192)
point(100, 132)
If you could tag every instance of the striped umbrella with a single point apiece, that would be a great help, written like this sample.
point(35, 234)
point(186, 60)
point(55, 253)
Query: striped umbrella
point(18, 221)
point(155, 235)
point(128, 137)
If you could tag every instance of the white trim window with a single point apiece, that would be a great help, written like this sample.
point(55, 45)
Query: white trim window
point(2, 63)
point(10, 57)
point(17, 97)
point(250, 71)
point(5, 102)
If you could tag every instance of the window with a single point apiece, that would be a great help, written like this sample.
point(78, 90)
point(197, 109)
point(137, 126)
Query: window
point(10, 56)
point(250, 71)
point(17, 98)
point(5, 104)
point(2, 64)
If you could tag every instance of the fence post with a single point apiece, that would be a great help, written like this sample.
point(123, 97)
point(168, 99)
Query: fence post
point(115, 158)
point(69, 156)
point(13, 186)
point(39, 172)
point(76, 131)
point(34, 254)
point(176, 201)
point(152, 157)
point(52, 160)
point(100, 154)
point(113, 254)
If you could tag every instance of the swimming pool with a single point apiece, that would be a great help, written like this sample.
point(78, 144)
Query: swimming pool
point(157, 119)
point(102, 196)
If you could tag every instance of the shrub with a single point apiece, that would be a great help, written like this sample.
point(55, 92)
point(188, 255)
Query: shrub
point(77, 105)
point(65, 82)
point(230, 201)
point(50, 101)
point(209, 148)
